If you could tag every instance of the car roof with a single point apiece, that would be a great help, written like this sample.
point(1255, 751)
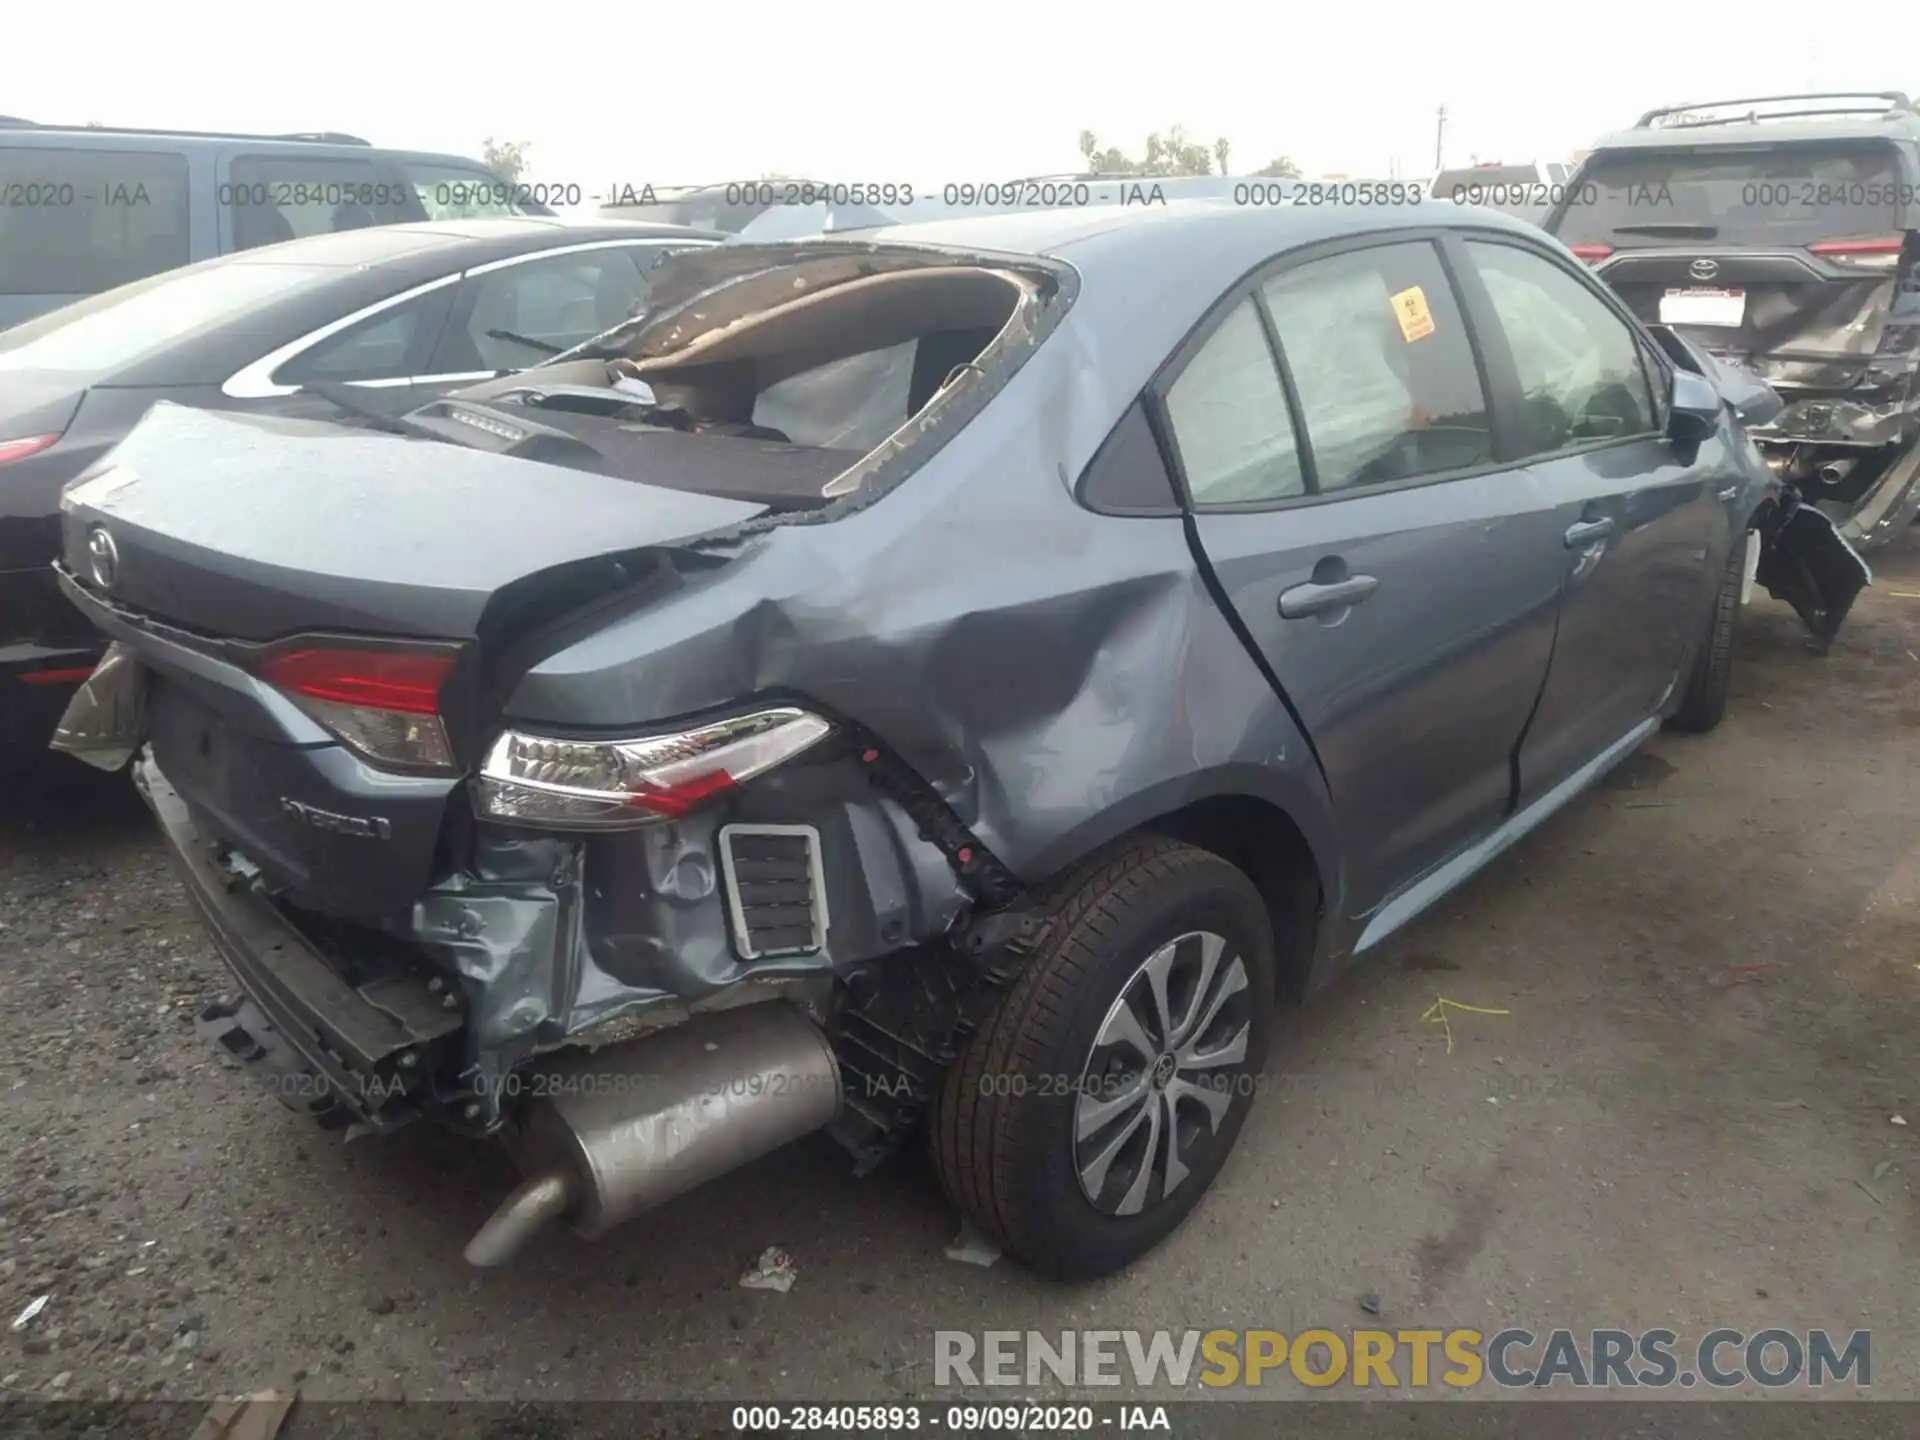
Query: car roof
point(1159, 234)
point(1764, 132)
point(335, 275)
point(487, 239)
point(1149, 273)
point(26, 134)
point(1773, 120)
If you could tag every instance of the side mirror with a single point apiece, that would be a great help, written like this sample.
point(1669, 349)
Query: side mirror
point(1695, 409)
point(1752, 399)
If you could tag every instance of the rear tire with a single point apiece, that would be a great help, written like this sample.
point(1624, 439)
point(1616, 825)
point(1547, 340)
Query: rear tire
point(1704, 702)
point(1041, 1094)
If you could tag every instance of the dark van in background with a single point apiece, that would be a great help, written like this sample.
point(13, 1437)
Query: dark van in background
point(86, 209)
point(1781, 232)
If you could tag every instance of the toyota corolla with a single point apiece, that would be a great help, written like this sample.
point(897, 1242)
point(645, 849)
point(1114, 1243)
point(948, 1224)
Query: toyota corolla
point(951, 682)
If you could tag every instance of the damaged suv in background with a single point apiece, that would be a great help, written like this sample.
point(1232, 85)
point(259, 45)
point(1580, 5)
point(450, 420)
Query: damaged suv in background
point(956, 679)
point(1783, 233)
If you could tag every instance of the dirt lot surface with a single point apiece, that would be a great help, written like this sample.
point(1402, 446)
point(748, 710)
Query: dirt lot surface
point(1712, 973)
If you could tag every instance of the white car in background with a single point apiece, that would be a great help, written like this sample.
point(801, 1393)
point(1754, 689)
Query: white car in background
point(1526, 191)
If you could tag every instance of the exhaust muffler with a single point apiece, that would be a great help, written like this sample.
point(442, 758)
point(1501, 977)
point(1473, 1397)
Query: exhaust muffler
point(618, 1131)
point(1834, 471)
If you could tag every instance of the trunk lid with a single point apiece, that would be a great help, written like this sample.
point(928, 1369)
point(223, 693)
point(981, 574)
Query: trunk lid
point(1766, 253)
point(227, 534)
point(256, 527)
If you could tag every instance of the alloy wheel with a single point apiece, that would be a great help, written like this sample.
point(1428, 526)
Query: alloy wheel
point(1162, 1073)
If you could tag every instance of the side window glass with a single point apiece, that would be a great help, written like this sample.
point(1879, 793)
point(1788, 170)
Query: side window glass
point(1581, 372)
point(277, 198)
point(459, 194)
point(1379, 355)
point(1229, 416)
point(387, 346)
point(76, 222)
point(522, 314)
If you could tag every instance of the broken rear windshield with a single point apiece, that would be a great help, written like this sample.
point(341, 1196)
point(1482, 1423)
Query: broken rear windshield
point(1777, 195)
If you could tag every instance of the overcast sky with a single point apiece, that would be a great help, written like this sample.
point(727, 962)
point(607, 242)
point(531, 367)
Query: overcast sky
point(639, 93)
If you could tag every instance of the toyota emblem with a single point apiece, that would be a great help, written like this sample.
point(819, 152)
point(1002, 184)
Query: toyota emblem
point(1704, 269)
point(103, 557)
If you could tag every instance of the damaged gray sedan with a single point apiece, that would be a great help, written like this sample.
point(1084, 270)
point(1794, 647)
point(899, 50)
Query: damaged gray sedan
point(954, 681)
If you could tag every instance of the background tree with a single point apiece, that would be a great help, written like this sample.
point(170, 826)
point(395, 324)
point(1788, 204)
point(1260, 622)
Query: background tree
point(1220, 151)
point(1169, 152)
point(505, 158)
point(1279, 168)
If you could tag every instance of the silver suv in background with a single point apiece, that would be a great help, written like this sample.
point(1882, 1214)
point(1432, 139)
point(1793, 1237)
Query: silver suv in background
point(85, 209)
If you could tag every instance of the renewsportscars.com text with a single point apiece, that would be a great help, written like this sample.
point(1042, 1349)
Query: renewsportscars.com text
point(1405, 1359)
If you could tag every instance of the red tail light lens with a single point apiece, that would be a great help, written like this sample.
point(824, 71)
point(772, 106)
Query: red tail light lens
point(11, 450)
point(1591, 253)
point(1880, 253)
point(72, 675)
point(384, 704)
point(407, 681)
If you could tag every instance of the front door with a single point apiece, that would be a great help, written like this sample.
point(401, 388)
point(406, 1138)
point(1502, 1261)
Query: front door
point(1642, 523)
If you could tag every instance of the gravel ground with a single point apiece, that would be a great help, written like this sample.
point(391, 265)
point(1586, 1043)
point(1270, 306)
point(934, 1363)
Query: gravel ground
point(1684, 1120)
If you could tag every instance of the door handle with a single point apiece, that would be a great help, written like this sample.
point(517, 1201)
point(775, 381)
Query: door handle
point(1587, 531)
point(1304, 600)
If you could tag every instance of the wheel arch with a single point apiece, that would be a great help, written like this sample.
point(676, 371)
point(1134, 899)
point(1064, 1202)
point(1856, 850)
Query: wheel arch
point(1264, 843)
point(1279, 835)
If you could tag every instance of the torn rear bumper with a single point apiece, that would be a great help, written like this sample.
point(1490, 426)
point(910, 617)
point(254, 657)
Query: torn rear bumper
point(1890, 507)
point(1807, 561)
point(1835, 420)
point(326, 1047)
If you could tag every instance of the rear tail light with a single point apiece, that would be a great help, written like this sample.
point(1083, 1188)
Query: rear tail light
point(615, 784)
point(385, 704)
point(11, 450)
point(69, 675)
point(1591, 253)
point(1878, 254)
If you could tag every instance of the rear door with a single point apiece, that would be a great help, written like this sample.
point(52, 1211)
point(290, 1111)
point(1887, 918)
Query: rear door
point(1333, 435)
point(1643, 529)
point(1777, 252)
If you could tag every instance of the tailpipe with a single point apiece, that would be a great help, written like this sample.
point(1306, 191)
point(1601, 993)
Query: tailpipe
point(1834, 471)
point(620, 1130)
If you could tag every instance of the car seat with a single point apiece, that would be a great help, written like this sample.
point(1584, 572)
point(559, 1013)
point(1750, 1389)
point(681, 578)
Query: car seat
point(257, 225)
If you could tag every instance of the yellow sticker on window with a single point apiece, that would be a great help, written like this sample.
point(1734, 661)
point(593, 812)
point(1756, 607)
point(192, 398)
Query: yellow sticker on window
point(1410, 309)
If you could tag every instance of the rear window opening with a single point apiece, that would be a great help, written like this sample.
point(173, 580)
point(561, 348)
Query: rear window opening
point(793, 400)
point(1772, 195)
point(842, 369)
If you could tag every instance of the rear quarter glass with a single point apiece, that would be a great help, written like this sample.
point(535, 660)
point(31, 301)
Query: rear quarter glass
point(1776, 195)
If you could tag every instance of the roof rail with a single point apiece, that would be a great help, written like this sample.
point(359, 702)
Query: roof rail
point(1892, 102)
point(310, 137)
point(323, 137)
